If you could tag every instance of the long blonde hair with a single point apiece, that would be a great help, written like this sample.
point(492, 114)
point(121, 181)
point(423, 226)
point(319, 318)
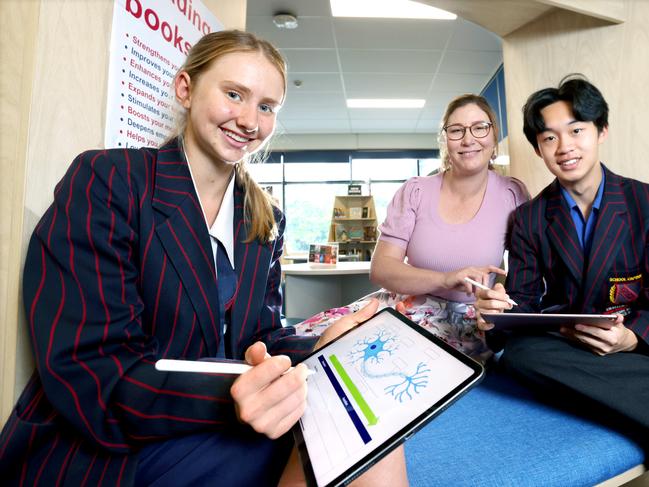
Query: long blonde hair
point(258, 204)
point(459, 102)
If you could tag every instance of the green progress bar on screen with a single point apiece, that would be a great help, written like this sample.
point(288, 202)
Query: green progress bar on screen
point(356, 394)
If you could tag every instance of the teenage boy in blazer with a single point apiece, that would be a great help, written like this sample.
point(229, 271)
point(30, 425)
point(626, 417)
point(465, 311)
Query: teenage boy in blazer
point(580, 246)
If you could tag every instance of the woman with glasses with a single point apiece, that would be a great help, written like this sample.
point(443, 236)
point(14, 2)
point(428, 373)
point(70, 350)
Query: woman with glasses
point(450, 226)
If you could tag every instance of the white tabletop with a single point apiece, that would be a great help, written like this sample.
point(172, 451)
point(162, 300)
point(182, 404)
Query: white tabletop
point(341, 268)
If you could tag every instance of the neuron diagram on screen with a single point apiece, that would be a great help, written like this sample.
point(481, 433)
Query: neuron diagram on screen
point(373, 352)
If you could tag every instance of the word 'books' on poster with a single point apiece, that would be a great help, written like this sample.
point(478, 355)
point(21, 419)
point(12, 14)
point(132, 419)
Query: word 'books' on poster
point(150, 40)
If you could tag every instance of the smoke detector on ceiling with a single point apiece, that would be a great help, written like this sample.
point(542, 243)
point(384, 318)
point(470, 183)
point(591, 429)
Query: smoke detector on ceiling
point(285, 21)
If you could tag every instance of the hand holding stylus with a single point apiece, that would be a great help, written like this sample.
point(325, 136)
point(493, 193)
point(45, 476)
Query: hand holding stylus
point(493, 300)
point(487, 288)
point(270, 397)
point(457, 280)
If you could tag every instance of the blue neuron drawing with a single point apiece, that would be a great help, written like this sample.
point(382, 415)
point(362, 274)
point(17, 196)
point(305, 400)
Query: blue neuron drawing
point(410, 383)
point(373, 350)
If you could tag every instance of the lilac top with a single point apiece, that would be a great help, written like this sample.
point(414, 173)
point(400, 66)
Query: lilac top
point(414, 224)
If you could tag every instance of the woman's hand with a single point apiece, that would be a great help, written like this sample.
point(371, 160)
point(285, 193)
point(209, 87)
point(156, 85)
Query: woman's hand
point(603, 341)
point(269, 397)
point(490, 301)
point(455, 280)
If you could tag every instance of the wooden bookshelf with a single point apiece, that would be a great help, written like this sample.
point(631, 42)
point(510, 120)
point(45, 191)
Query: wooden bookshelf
point(353, 226)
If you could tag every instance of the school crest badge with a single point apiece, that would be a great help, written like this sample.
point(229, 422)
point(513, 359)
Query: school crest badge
point(624, 290)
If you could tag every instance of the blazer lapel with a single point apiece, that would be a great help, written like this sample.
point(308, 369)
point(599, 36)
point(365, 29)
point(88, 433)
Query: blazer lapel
point(611, 227)
point(181, 228)
point(562, 234)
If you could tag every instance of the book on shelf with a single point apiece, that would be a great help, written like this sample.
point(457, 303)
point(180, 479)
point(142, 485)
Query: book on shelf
point(369, 234)
point(355, 232)
point(341, 234)
point(356, 212)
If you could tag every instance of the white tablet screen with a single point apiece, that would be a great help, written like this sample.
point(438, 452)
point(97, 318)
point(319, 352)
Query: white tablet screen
point(378, 381)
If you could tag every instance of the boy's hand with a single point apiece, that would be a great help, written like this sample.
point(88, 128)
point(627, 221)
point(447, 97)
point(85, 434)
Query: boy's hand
point(603, 341)
point(492, 301)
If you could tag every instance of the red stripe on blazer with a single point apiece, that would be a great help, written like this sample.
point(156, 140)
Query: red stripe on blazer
point(118, 274)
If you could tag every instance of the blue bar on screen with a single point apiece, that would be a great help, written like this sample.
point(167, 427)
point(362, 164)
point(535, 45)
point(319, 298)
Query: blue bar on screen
point(358, 424)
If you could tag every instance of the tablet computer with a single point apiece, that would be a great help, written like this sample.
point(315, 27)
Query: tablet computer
point(374, 387)
point(545, 321)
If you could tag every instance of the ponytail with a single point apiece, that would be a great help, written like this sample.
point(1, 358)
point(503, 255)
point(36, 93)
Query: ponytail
point(257, 206)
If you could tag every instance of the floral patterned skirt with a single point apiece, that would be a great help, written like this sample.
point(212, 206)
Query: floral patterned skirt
point(453, 322)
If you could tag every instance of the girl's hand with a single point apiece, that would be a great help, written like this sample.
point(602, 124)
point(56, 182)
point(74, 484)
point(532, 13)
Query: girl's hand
point(269, 397)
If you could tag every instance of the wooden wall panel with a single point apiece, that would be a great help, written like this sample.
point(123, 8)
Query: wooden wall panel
point(231, 13)
point(18, 24)
point(53, 85)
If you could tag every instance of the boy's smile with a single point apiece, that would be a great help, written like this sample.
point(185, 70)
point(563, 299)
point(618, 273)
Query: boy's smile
point(570, 148)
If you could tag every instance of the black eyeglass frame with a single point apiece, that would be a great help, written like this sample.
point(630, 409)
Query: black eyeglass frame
point(470, 127)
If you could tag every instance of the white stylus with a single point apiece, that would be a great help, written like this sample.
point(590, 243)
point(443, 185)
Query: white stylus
point(482, 286)
point(232, 367)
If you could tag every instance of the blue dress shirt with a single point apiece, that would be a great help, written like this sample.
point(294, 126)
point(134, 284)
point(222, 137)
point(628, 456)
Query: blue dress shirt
point(585, 227)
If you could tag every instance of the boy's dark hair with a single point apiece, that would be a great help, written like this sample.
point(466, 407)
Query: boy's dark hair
point(587, 102)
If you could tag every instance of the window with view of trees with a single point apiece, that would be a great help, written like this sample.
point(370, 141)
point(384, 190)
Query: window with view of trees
point(305, 184)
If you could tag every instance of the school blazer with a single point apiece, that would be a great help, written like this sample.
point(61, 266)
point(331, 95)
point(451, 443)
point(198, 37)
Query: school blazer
point(120, 273)
point(547, 266)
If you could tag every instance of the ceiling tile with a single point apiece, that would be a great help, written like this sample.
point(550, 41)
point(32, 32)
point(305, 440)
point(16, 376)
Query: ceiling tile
point(465, 83)
point(384, 113)
point(311, 60)
point(313, 106)
point(299, 8)
point(392, 34)
point(314, 82)
point(313, 32)
point(358, 85)
point(381, 126)
point(317, 126)
point(389, 61)
point(471, 62)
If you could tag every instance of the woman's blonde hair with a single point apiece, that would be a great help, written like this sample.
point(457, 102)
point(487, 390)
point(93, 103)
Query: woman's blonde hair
point(258, 204)
point(459, 102)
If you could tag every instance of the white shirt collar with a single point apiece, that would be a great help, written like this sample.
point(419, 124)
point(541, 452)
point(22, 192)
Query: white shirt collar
point(223, 227)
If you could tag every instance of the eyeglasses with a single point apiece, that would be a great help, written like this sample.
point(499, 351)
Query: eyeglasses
point(456, 131)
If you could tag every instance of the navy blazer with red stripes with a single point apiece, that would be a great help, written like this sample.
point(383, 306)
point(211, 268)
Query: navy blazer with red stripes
point(547, 265)
point(120, 273)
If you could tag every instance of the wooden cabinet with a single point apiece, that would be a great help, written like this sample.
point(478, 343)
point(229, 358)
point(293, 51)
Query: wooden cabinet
point(353, 226)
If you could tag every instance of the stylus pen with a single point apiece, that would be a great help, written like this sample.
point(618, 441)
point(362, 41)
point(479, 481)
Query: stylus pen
point(482, 286)
point(209, 366)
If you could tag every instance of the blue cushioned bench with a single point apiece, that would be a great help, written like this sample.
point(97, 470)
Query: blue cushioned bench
point(499, 435)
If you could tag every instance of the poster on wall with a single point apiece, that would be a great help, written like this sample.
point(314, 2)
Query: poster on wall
point(149, 42)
